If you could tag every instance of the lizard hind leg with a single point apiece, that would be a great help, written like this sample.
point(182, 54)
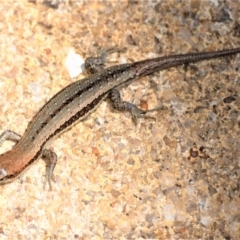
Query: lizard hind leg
point(95, 64)
point(136, 112)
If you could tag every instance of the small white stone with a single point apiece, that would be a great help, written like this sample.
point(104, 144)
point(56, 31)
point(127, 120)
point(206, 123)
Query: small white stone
point(169, 212)
point(74, 63)
point(206, 221)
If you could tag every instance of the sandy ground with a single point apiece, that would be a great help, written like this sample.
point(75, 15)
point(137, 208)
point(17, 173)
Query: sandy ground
point(175, 177)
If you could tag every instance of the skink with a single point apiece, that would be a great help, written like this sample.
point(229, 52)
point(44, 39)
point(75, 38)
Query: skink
point(75, 102)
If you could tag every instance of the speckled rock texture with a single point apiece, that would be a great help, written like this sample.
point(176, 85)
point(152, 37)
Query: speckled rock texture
point(172, 177)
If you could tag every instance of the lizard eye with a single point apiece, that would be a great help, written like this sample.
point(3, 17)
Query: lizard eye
point(3, 173)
